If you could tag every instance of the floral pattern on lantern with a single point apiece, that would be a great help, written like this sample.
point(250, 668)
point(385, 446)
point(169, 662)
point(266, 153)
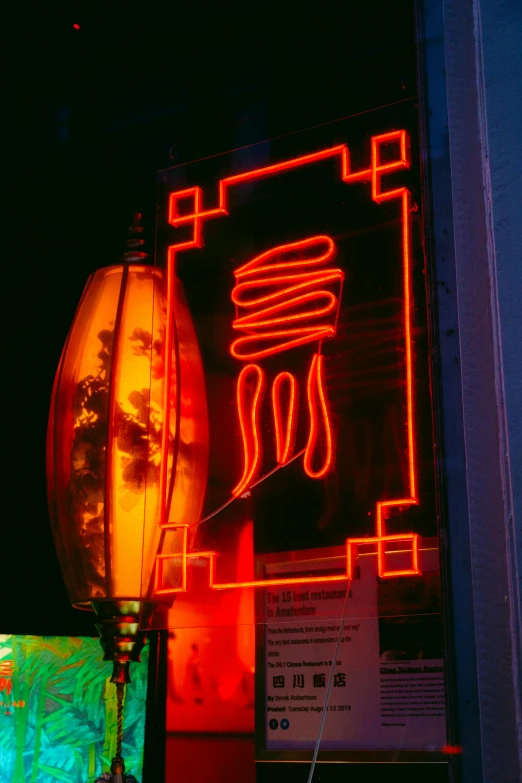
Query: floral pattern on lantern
point(105, 437)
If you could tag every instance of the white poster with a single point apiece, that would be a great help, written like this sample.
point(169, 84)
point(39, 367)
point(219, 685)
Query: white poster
point(386, 684)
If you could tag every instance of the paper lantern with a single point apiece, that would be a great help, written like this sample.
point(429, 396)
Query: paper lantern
point(115, 474)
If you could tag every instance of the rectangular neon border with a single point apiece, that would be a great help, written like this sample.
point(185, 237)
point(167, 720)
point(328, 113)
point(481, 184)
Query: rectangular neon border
point(196, 218)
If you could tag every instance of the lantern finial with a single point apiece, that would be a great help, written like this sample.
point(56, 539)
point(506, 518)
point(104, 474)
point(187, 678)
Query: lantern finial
point(135, 253)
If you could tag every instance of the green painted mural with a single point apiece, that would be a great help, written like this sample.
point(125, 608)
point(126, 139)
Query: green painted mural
point(58, 711)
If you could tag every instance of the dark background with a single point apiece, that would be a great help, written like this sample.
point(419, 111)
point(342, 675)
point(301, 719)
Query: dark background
point(91, 115)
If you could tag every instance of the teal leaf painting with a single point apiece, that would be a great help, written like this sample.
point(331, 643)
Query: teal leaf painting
point(58, 720)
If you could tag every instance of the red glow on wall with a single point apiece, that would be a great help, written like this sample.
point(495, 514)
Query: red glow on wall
point(451, 750)
point(279, 308)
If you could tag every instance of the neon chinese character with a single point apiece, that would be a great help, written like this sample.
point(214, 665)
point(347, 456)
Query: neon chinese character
point(284, 300)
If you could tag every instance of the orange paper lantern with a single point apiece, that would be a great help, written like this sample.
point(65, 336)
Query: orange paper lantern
point(106, 440)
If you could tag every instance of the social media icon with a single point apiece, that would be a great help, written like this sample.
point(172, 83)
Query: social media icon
point(274, 724)
point(285, 723)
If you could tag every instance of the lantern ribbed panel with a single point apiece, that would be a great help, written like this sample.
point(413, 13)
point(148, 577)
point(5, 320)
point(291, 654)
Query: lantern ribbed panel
point(105, 435)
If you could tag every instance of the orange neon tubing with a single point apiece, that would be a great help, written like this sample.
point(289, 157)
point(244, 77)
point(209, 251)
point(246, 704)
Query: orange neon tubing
point(196, 217)
point(378, 169)
point(379, 542)
point(285, 300)
point(379, 195)
point(174, 218)
point(211, 556)
point(294, 283)
point(406, 242)
point(259, 318)
point(379, 521)
point(249, 425)
point(284, 445)
point(258, 263)
point(296, 337)
point(315, 389)
point(158, 571)
point(278, 168)
point(341, 150)
point(277, 310)
point(300, 580)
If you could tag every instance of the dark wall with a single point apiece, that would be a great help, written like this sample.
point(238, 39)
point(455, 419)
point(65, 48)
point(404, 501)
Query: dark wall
point(92, 114)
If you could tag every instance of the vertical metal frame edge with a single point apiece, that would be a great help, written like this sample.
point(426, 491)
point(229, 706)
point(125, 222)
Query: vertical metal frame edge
point(458, 600)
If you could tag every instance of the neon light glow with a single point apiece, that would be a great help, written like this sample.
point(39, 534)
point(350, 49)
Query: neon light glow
point(286, 300)
point(284, 444)
point(286, 310)
point(184, 557)
point(167, 395)
point(259, 262)
point(249, 424)
point(250, 320)
point(315, 390)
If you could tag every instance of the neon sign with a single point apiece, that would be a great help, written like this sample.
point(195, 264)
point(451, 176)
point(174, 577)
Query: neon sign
point(272, 326)
point(286, 298)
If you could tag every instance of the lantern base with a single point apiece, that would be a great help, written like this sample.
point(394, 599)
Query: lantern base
point(120, 636)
